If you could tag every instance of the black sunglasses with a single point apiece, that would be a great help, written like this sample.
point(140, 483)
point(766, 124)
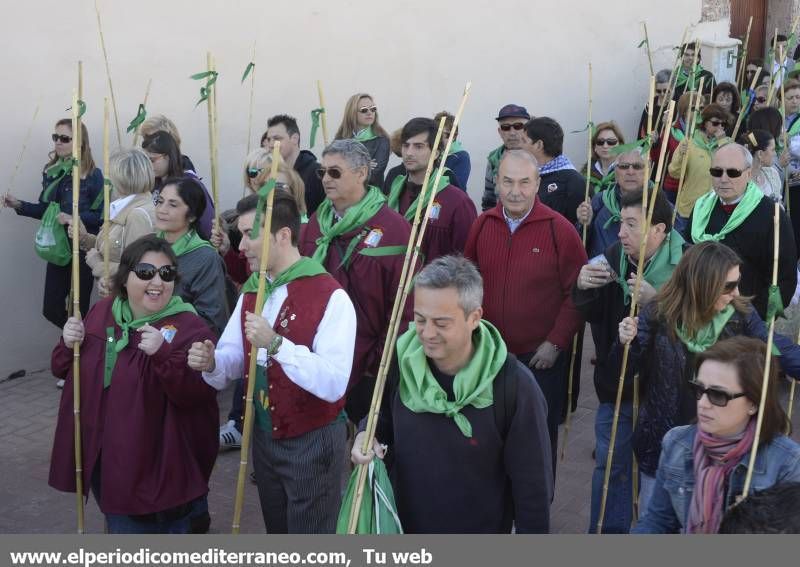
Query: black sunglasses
point(365, 109)
point(515, 126)
point(147, 272)
point(626, 166)
point(716, 122)
point(61, 138)
point(607, 142)
point(732, 172)
point(761, 99)
point(730, 286)
point(252, 172)
point(719, 398)
point(333, 172)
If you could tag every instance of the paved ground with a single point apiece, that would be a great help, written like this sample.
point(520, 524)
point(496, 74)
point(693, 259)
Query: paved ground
point(28, 409)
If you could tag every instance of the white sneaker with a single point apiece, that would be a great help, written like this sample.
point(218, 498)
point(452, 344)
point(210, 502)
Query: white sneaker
point(60, 383)
point(229, 436)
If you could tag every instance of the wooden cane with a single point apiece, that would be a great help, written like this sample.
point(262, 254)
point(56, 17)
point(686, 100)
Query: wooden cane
point(411, 257)
point(588, 154)
point(743, 62)
point(76, 293)
point(211, 105)
point(108, 73)
point(10, 186)
point(740, 118)
point(690, 129)
point(673, 81)
point(323, 114)
point(770, 338)
point(106, 195)
point(785, 136)
point(634, 461)
point(773, 75)
point(144, 103)
point(647, 45)
point(252, 98)
point(250, 377)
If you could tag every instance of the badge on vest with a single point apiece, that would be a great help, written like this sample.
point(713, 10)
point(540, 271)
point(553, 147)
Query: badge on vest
point(435, 210)
point(168, 332)
point(552, 187)
point(373, 238)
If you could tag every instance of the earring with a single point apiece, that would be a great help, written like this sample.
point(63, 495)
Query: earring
point(752, 411)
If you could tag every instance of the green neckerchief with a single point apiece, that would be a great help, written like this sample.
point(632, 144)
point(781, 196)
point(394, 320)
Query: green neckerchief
point(365, 134)
point(420, 392)
point(678, 134)
point(702, 141)
point(494, 158)
point(607, 181)
point(123, 317)
point(794, 128)
point(455, 147)
point(705, 206)
point(660, 267)
point(187, 243)
point(57, 172)
point(398, 184)
point(355, 217)
point(683, 77)
point(709, 334)
point(611, 202)
point(303, 268)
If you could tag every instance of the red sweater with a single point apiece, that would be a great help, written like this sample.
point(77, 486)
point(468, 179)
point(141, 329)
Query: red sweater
point(528, 276)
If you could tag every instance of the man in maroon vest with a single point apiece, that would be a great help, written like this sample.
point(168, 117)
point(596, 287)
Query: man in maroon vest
point(305, 337)
point(361, 242)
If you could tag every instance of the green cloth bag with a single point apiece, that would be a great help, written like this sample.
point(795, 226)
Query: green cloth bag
point(378, 510)
point(51, 242)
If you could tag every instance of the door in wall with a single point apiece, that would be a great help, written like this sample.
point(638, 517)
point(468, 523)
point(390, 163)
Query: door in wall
point(741, 11)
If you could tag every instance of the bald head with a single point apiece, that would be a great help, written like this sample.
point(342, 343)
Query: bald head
point(517, 182)
point(733, 152)
point(732, 162)
point(520, 155)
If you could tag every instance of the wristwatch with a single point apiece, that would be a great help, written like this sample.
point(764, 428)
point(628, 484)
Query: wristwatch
point(274, 345)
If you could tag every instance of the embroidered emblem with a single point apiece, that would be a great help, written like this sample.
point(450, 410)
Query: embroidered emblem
point(293, 317)
point(263, 398)
point(435, 210)
point(373, 238)
point(168, 332)
point(536, 250)
point(284, 323)
point(552, 187)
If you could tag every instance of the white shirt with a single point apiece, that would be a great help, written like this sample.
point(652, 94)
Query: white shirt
point(322, 371)
point(513, 224)
point(116, 206)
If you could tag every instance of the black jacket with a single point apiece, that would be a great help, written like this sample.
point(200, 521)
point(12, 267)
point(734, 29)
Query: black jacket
point(563, 191)
point(306, 166)
point(379, 151)
point(708, 85)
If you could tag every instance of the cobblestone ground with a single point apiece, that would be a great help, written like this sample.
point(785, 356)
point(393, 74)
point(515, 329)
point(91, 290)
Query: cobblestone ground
point(28, 408)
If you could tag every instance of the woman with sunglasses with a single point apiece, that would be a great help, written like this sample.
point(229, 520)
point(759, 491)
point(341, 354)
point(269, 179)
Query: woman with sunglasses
point(148, 422)
point(179, 207)
point(709, 135)
point(606, 137)
point(697, 307)
point(763, 172)
point(57, 188)
point(661, 92)
point(726, 95)
point(361, 123)
point(165, 155)
point(703, 466)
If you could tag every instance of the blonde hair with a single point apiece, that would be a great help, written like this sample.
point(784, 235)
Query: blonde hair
point(262, 159)
point(131, 172)
point(350, 121)
point(160, 123)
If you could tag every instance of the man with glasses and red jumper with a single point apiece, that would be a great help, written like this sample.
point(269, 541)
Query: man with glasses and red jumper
point(740, 216)
point(511, 126)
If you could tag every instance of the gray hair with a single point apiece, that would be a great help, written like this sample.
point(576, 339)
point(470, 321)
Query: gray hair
point(524, 155)
point(354, 153)
point(663, 76)
point(638, 152)
point(746, 155)
point(456, 272)
point(130, 172)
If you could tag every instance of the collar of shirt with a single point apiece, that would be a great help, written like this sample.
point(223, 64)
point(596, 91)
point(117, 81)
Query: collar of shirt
point(513, 224)
point(117, 205)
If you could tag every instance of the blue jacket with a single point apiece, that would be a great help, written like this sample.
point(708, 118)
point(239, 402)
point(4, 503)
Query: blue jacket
point(459, 163)
point(91, 190)
point(599, 238)
point(668, 511)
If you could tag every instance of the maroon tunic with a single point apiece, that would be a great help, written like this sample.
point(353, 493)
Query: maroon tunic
point(370, 281)
point(155, 428)
point(452, 215)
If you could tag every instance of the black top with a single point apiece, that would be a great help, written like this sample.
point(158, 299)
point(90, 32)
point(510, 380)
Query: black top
point(563, 191)
point(306, 165)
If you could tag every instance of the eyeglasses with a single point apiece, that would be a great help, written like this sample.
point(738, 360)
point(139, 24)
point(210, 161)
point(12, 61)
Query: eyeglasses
point(732, 172)
point(716, 122)
point(717, 397)
point(252, 172)
point(147, 272)
point(761, 99)
point(366, 109)
point(515, 126)
point(61, 138)
point(627, 166)
point(333, 172)
point(730, 286)
point(606, 142)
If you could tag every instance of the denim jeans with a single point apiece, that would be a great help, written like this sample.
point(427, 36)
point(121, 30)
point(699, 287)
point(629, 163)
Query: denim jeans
point(619, 502)
point(647, 484)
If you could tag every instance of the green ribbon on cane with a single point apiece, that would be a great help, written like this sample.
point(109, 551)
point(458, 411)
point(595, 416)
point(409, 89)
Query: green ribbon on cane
point(643, 43)
point(141, 115)
point(81, 108)
point(589, 126)
point(211, 78)
point(774, 310)
point(315, 114)
point(643, 145)
point(248, 70)
point(263, 192)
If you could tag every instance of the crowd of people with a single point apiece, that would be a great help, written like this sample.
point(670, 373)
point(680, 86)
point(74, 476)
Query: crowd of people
point(478, 385)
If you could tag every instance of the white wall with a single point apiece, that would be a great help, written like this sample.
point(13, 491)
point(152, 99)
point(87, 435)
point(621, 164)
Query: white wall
point(413, 56)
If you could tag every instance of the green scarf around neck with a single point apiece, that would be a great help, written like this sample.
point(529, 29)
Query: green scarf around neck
point(660, 267)
point(123, 317)
point(494, 158)
point(611, 202)
point(708, 335)
point(55, 173)
point(355, 217)
point(710, 145)
point(705, 206)
point(604, 182)
point(691, 82)
point(398, 184)
point(455, 147)
point(303, 268)
point(420, 392)
point(365, 134)
point(187, 243)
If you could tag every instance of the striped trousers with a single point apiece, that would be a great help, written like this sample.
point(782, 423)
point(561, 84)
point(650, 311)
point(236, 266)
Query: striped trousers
point(300, 479)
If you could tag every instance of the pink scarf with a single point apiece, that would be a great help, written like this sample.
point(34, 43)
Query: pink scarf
point(714, 459)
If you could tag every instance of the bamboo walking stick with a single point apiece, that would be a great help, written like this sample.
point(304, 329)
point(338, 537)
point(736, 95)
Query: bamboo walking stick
point(76, 286)
point(647, 45)
point(106, 195)
point(247, 428)
point(673, 81)
point(108, 73)
point(634, 461)
point(740, 118)
point(770, 337)
point(323, 114)
point(144, 104)
point(690, 129)
point(785, 135)
point(411, 257)
point(743, 62)
point(211, 105)
point(570, 375)
point(252, 96)
point(773, 74)
point(22, 152)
